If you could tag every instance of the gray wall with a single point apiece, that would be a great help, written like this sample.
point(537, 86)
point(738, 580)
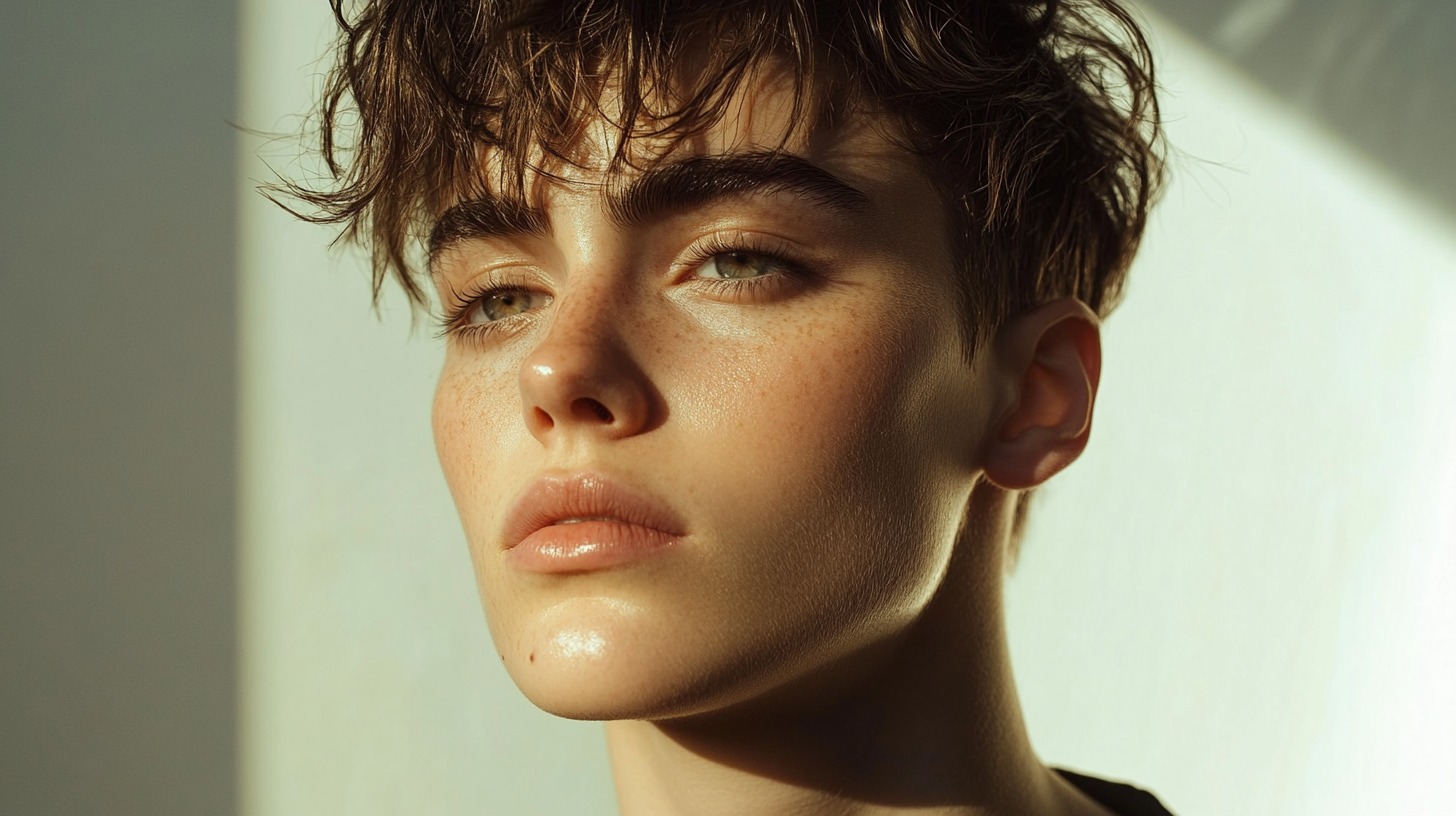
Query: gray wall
point(1376, 72)
point(117, 464)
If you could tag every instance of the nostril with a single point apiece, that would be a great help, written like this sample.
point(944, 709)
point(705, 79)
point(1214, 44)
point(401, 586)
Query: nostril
point(587, 406)
point(544, 419)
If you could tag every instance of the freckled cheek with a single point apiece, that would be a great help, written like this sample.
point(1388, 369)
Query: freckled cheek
point(819, 382)
point(795, 407)
point(808, 475)
point(475, 414)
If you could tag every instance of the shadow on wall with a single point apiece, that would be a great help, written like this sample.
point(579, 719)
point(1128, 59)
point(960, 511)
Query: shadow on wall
point(1377, 72)
point(118, 341)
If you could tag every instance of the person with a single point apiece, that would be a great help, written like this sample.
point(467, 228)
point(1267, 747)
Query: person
point(761, 322)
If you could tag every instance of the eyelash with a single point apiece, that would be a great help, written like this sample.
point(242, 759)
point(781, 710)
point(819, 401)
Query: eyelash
point(461, 303)
point(452, 322)
point(777, 252)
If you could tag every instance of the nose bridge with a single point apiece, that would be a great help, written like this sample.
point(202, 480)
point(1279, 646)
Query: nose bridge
point(596, 259)
point(586, 313)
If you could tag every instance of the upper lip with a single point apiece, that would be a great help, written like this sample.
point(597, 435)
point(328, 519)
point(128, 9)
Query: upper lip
point(555, 498)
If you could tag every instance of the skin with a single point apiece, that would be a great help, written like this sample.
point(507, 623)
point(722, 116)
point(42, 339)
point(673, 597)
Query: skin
point(828, 636)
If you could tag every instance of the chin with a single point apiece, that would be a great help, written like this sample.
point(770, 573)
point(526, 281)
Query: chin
point(596, 658)
point(607, 659)
point(604, 698)
point(619, 682)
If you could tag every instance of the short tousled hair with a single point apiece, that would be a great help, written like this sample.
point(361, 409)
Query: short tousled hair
point(1036, 118)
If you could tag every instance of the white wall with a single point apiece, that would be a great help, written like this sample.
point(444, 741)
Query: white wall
point(1239, 598)
point(1242, 595)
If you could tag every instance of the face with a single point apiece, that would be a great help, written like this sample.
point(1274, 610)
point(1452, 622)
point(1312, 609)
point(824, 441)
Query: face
point(709, 425)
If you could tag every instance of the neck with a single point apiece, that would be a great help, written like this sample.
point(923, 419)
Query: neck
point(930, 724)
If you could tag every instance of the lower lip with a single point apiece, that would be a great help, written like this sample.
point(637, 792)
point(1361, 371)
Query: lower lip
point(587, 546)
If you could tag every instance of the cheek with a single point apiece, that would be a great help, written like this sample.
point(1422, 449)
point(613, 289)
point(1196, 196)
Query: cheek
point(476, 420)
point(826, 476)
point(838, 398)
point(456, 421)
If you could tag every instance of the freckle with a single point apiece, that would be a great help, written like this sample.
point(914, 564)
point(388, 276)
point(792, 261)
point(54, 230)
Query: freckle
point(532, 658)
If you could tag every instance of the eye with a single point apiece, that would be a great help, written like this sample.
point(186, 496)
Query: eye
point(739, 265)
point(476, 313)
point(502, 303)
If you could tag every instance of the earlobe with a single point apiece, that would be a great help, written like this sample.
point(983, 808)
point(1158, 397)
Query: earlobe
point(1051, 360)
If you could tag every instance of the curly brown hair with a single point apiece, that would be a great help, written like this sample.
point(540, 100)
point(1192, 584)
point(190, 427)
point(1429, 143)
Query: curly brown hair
point(1037, 118)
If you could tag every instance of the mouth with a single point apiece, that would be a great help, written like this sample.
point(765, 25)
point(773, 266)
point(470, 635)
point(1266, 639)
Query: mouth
point(584, 522)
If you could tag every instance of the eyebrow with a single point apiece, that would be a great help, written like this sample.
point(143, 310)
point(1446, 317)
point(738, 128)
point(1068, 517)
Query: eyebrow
point(688, 184)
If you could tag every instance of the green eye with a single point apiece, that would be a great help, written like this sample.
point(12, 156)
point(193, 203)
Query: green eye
point(737, 266)
point(506, 303)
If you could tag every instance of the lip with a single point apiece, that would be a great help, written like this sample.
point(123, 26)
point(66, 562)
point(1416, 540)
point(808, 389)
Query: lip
point(584, 522)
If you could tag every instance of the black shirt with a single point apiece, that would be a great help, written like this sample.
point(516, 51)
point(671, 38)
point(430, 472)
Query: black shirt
point(1124, 800)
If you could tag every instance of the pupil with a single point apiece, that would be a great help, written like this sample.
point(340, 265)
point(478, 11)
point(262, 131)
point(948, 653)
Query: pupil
point(504, 305)
point(741, 265)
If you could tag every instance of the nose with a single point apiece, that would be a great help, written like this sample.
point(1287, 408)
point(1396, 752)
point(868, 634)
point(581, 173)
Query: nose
point(583, 380)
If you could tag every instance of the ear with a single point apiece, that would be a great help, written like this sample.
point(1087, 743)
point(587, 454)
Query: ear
point(1050, 360)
